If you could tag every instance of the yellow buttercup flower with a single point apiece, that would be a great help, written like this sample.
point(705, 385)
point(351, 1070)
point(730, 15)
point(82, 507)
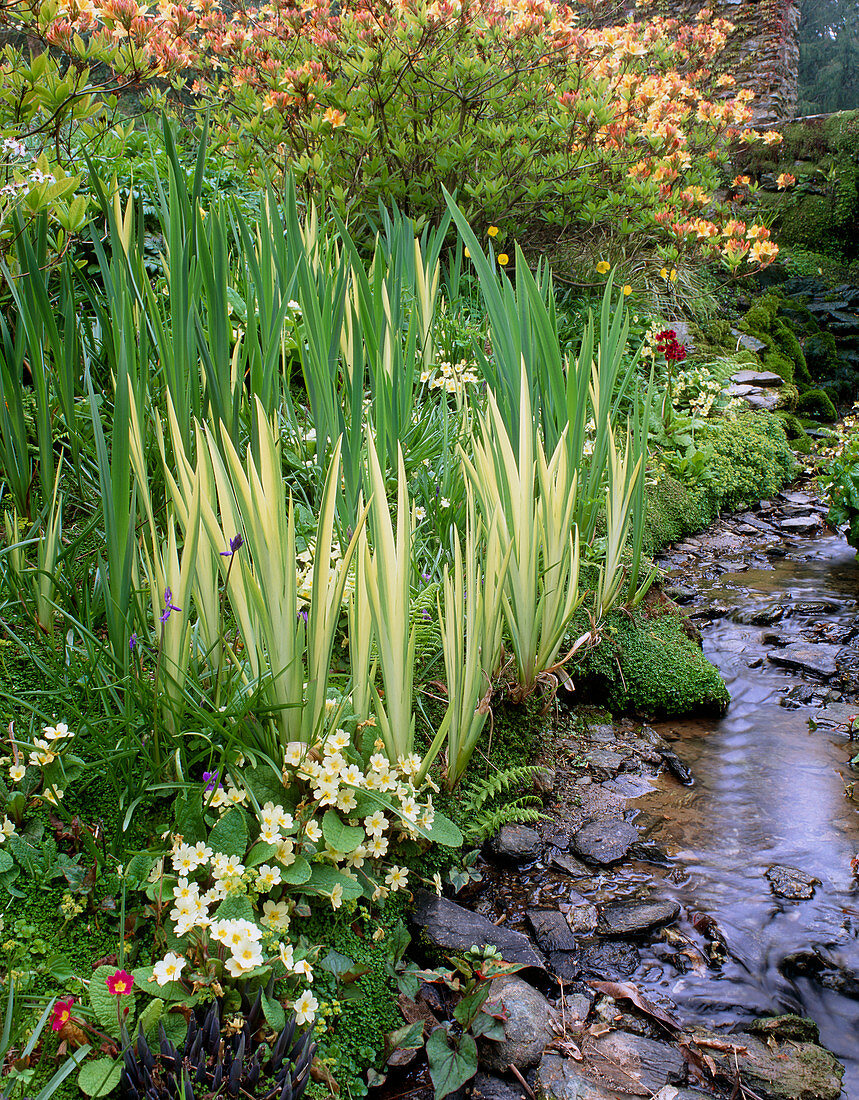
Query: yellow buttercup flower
point(603, 266)
point(492, 231)
point(466, 253)
point(627, 290)
point(503, 258)
point(663, 273)
point(673, 275)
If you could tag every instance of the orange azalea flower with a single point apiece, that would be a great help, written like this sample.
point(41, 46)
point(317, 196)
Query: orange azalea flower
point(757, 233)
point(785, 180)
point(763, 252)
point(335, 117)
point(740, 181)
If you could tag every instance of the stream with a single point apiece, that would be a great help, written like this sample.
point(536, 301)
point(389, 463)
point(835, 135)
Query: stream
point(769, 790)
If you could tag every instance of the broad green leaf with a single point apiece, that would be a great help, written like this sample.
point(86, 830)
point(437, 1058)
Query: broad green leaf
point(230, 835)
point(296, 873)
point(323, 879)
point(235, 907)
point(451, 1062)
point(341, 837)
point(260, 853)
point(104, 1003)
point(274, 1014)
point(100, 1077)
point(149, 1017)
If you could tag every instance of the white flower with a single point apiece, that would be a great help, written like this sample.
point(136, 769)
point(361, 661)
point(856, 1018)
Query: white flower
point(247, 953)
point(377, 847)
point(303, 968)
point(305, 1008)
point(336, 896)
point(276, 915)
point(268, 876)
point(285, 853)
point(285, 950)
point(312, 831)
point(17, 773)
point(169, 969)
point(397, 878)
point(351, 775)
point(376, 823)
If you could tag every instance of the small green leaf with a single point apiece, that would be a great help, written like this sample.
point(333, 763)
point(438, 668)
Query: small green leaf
point(149, 1017)
point(296, 874)
point(323, 879)
point(260, 853)
point(137, 871)
point(273, 1012)
point(100, 1077)
point(6, 862)
point(235, 907)
point(230, 835)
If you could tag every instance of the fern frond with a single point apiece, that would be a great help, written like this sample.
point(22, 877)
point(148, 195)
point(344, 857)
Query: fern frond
point(501, 781)
point(521, 811)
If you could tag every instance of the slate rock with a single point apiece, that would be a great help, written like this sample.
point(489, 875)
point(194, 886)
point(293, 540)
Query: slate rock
point(560, 861)
point(617, 1064)
point(801, 525)
point(606, 841)
point(757, 378)
point(611, 961)
point(791, 882)
point(551, 930)
point(787, 1070)
point(635, 918)
point(447, 925)
point(819, 659)
point(581, 915)
point(764, 400)
point(530, 1025)
point(565, 965)
point(602, 732)
point(750, 343)
point(759, 615)
point(486, 1087)
point(514, 844)
point(545, 780)
point(603, 763)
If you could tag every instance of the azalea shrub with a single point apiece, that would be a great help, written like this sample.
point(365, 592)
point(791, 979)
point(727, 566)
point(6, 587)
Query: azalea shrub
point(530, 119)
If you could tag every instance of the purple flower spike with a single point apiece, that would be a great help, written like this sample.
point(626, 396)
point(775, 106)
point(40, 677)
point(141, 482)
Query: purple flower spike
point(168, 605)
point(236, 543)
point(132, 641)
point(303, 616)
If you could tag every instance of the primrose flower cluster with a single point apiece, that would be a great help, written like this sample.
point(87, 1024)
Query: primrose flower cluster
point(450, 377)
point(38, 761)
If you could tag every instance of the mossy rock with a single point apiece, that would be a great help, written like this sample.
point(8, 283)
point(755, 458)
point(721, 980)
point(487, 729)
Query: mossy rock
point(650, 663)
point(821, 355)
point(817, 404)
point(673, 511)
point(751, 459)
point(809, 221)
point(783, 354)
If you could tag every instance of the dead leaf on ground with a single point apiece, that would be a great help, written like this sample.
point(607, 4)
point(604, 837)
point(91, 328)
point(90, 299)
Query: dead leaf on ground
point(626, 991)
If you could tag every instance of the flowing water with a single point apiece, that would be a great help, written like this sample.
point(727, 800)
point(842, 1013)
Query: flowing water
point(770, 789)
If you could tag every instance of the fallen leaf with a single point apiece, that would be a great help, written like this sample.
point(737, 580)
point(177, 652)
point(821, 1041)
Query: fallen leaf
point(626, 991)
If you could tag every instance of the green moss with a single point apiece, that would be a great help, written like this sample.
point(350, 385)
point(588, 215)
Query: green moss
point(750, 459)
point(817, 403)
point(649, 664)
point(821, 355)
point(674, 510)
point(783, 354)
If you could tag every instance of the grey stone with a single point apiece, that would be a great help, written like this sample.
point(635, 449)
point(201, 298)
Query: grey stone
point(612, 961)
point(602, 732)
point(750, 343)
point(581, 915)
point(551, 930)
point(801, 525)
point(486, 1087)
point(819, 659)
point(636, 917)
point(577, 1007)
point(774, 1070)
point(605, 842)
point(791, 882)
point(530, 1025)
point(515, 844)
point(560, 861)
point(764, 400)
point(565, 965)
point(604, 763)
point(545, 780)
point(616, 1065)
point(757, 378)
point(452, 928)
point(764, 615)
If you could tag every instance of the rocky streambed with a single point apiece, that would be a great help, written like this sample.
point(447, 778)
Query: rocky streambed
point(687, 915)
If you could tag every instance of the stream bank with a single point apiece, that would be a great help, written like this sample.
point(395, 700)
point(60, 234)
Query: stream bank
point(694, 878)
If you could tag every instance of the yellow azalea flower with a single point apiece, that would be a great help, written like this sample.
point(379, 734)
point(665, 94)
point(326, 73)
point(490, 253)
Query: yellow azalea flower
point(503, 258)
point(603, 266)
point(663, 273)
point(673, 275)
point(627, 290)
point(492, 231)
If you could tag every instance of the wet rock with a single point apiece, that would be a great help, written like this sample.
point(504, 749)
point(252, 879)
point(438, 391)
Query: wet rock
point(486, 1087)
point(604, 763)
point(618, 1063)
point(565, 965)
point(611, 961)
point(669, 757)
point(799, 1028)
point(605, 842)
point(560, 861)
point(530, 1025)
point(581, 915)
point(577, 1007)
point(551, 930)
point(759, 616)
point(791, 882)
point(545, 780)
point(648, 851)
point(514, 844)
point(602, 732)
point(824, 966)
point(448, 926)
point(636, 917)
point(819, 659)
point(750, 343)
point(801, 525)
point(774, 1070)
point(680, 593)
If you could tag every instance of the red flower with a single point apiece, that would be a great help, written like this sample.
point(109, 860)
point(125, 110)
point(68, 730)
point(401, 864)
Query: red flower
point(120, 983)
point(62, 1013)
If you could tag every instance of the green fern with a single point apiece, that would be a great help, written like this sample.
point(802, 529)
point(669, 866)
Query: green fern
point(484, 820)
point(423, 619)
point(487, 789)
point(521, 811)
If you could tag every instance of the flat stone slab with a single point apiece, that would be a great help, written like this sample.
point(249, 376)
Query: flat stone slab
point(750, 343)
point(636, 918)
point(611, 961)
point(819, 659)
point(604, 763)
point(560, 861)
point(551, 930)
point(774, 1070)
point(765, 400)
point(791, 882)
point(605, 842)
point(801, 525)
point(615, 1065)
point(452, 928)
point(757, 378)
